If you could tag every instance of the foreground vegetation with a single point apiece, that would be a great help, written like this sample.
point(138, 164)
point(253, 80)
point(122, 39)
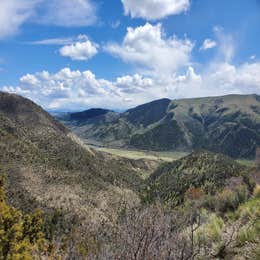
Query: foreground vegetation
point(21, 234)
point(190, 231)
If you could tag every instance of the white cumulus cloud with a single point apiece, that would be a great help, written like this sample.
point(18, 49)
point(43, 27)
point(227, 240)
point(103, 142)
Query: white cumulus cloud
point(74, 89)
point(154, 9)
point(134, 84)
point(66, 88)
point(82, 50)
point(147, 45)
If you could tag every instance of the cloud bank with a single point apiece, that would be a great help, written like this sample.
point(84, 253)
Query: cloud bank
point(82, 89)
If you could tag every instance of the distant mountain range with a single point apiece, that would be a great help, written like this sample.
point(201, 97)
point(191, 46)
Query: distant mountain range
point(227, 124)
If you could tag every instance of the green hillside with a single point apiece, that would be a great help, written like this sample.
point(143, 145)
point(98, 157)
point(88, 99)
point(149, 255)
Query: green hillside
point(205, 170)
point(228, 124)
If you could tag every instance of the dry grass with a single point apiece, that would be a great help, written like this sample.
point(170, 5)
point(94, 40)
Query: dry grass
point(138, 154)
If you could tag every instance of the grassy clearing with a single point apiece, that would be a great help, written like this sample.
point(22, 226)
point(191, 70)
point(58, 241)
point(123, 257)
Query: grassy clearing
point(150, 155)
point(167, 156)
point(249, 163)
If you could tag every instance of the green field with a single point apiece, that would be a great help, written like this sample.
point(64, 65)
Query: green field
point(137, 154)
point(249, 163)
point(155, 155)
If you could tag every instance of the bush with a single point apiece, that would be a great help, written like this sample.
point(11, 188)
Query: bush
point(194, 193)
point(20, 235)
point(209, 202)
point(249, 212)
point(242, 194)
point(229, 200)
point(256, 192)
point(211, 232)
point(249, 234)
point(225, 201)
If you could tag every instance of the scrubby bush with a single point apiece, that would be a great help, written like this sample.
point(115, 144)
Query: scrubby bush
point(250, 182)
point(249, 214)
point(20, 235)
point(229, 200)
point(194, 193)
point(249, 234)
point(211, 231)
point(249, 211)
point(208, 202)
point(225, 201)
point(256, 192)
point(242, 194)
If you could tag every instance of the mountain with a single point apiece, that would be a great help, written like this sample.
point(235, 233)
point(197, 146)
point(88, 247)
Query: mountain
point(48, 167)
point(81, 117)
point(205, 170)
point(228, 124)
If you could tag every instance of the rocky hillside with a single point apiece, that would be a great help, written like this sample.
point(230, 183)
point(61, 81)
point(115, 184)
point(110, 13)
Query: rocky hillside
point(228, 124)
point(48, 167)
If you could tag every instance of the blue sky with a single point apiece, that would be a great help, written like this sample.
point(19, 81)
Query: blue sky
point(76, 54)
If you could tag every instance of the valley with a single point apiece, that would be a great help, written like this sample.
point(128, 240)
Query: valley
point(141, 154)
point(99, 202)
point(129, 130)
point(228, 124)
point(155, 155)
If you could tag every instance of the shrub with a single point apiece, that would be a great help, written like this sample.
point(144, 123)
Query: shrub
point(229, 200)
point(242, 194)
point(209, 202)
point(249, 234)
point(194, 193)
point(249, 181)
point(211, 232)
point(256, 192)
point(249, 210)
point(225, 201)
point(249, 214)
point(20, 235)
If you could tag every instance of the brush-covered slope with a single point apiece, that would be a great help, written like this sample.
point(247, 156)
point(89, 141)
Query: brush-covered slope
point(228, 124)
point(48, 167)
point(205, 170)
